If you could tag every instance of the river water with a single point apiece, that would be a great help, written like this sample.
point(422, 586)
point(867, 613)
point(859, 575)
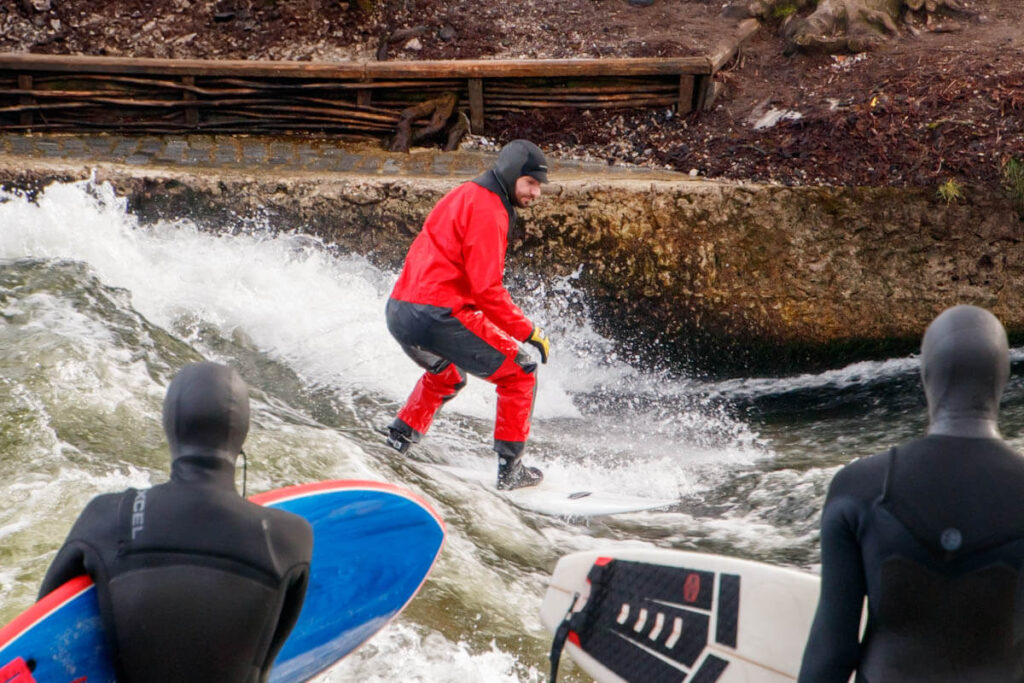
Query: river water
point(98, 311)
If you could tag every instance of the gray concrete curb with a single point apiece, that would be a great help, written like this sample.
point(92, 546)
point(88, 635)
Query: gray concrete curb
point(285, 155)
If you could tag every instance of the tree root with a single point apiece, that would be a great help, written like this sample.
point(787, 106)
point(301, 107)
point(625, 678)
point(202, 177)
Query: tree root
point(458, 131)
point(844, 26)
point(837, 26)
point(935, 6)
point(438, 109)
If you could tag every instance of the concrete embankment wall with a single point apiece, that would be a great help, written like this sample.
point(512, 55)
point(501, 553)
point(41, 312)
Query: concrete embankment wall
point(726, 276)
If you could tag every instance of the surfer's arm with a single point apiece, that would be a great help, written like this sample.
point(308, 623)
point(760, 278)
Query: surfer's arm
point(483, 253)
point(293, 544)
point(79, 553)
point(297, 581)
point(833, 648)
point(69, 563)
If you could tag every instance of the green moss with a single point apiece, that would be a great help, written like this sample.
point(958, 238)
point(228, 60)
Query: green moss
point(783, 10)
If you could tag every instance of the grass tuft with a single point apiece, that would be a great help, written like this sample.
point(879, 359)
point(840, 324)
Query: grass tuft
point(950, 191)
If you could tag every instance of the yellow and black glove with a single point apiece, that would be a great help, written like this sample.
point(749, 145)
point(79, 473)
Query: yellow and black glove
point(540, 341)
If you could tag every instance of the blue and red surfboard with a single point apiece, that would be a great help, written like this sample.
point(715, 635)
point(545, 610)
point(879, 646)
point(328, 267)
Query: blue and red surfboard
point(373, 546)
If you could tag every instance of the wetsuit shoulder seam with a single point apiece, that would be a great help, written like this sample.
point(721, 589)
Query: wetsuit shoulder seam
point(890, 467)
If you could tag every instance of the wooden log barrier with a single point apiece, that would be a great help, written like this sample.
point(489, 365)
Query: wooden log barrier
point(191, 113)
point(25, 117)
point(51, 92)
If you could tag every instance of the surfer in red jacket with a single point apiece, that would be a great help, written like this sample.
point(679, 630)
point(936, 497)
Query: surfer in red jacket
point(452, 315)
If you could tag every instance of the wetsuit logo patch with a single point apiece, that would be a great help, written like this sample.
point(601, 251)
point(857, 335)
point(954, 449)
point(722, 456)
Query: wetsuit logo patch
point(951, 539)
point(138, 513)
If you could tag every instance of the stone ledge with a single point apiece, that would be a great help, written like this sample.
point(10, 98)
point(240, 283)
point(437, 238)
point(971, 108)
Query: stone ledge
point(291, 154)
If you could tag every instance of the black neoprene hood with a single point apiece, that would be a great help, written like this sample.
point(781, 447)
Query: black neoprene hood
point(519, 158)
point(206, 412)
point(965, 363)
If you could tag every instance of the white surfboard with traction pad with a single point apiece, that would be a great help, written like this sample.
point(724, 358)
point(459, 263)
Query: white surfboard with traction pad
point(553, 498)
point(664, 616)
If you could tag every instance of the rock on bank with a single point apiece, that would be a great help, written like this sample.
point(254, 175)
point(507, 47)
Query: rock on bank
point(721, 277)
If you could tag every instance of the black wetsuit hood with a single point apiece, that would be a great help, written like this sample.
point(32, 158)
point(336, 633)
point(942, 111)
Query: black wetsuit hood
point(519, 158)
point(206, 415)
point(516, 159)
point(965, 363)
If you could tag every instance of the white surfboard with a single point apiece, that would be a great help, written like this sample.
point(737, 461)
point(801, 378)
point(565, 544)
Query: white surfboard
point(660, 616)
point(556, 499)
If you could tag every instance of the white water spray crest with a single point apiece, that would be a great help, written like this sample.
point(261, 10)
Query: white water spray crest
point(863, 372)
point(403, 652)
point(668, 414)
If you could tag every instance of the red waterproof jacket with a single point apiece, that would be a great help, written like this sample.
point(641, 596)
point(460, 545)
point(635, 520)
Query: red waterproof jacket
point(458, 260)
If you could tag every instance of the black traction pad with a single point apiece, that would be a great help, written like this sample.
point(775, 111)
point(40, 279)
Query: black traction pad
point(652, 623)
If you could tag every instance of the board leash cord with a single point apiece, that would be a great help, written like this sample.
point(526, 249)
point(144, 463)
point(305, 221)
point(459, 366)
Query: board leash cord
point(558, 643)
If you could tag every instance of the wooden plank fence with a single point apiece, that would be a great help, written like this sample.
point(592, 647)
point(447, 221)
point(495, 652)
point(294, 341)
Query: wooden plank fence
point(362, 99)
point(351, 99)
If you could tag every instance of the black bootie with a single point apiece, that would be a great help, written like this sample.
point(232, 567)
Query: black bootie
point(513, 474)
point(401, 436)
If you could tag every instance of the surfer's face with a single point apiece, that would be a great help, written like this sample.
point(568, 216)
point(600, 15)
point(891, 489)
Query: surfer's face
point(527, 189)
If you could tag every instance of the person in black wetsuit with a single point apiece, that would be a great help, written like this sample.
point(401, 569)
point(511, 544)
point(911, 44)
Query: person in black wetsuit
point(194, 582)
point(932, 532)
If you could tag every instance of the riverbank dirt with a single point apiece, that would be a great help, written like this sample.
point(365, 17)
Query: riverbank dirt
point(942, 109)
